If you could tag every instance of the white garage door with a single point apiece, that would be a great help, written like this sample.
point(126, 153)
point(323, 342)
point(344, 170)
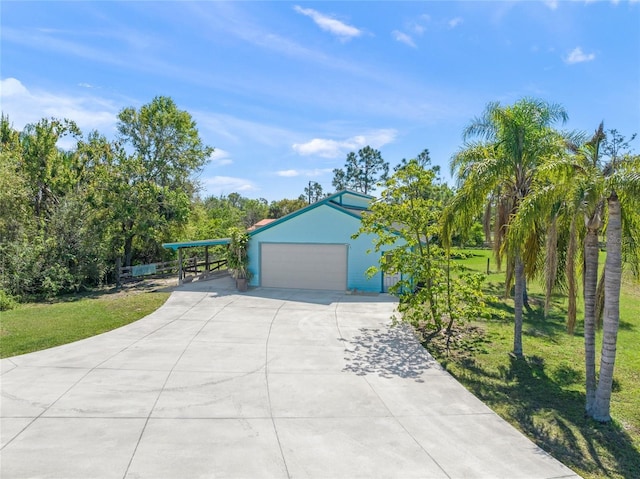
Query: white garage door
point(304, 266)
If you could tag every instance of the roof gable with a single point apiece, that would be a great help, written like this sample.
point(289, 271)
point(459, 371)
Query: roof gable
point(348, 202)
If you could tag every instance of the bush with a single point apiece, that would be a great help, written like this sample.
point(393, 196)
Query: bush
point(7, 302)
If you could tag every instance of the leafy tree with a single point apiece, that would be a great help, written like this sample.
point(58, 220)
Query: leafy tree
point(151, 188)
point(313, 192)
point(423, 159)
point(221, 210)
point(46, 248)
point(47, 167)
point(254, 211)
point(361, 172)
point(15, 192)
point(405, 224)
point(503, 161)
point(280, 208)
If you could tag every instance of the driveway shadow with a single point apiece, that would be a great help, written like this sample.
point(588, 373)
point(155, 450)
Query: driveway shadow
point(530, 387)
point(224, 285)
point(388, 352)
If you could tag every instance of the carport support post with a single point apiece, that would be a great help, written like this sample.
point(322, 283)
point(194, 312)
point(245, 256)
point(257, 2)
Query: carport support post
point(206, 259)
point(179, 266)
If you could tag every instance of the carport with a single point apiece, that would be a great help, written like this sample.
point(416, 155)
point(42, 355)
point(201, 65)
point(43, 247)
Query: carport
point(209, 265)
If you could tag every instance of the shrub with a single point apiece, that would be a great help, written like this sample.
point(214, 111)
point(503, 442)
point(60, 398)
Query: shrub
point(7, 302)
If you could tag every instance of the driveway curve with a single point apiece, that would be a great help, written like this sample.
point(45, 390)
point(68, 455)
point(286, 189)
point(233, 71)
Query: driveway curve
point(269, 383)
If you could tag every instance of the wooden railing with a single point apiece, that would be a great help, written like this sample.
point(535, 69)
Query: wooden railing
point(190, 266)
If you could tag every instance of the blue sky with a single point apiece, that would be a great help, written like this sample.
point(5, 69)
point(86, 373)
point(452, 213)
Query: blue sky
point(284, 90)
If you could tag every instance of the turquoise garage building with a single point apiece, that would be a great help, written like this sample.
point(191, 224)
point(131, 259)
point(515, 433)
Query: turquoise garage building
point(313, 248)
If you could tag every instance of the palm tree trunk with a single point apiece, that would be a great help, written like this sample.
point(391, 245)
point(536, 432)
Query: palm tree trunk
point(600, 300)
point(613, 279)
point(518, 300)
point(551, 264)
point(486, 221)
point(590, 284)
point(571, 279)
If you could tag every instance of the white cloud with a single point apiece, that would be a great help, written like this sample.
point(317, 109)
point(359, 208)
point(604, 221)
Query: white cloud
point(239, 130)
point(320, 147)
point(326, 148)
point(12, 87)
point(552, 4)
point(223, 185)
point(403, 38)
point(454, 22)
point(24, 106)
point(220, 157)
point(309, 173)
point(578, 56)
point(288, 173)
point(418, 26)
point(330, 24)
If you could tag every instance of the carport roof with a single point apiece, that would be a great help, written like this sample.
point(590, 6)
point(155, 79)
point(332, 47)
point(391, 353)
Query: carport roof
point(196, 244)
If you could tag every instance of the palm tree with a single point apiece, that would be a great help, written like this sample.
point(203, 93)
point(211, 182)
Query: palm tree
point(568, 186)
point(589, 193)
point(589, 201)
point(510, 144)
point(598, 191)
point(622, 189)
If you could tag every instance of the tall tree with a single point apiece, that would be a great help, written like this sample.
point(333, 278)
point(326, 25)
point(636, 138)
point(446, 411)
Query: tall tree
point(509, 145)
point(622, 192)
point(313, 192)
point(44, 163)
point(362, 171)
point(423, 159)
point(15, 194)
point(591, 187)
point(587, 201)
point(153, 185)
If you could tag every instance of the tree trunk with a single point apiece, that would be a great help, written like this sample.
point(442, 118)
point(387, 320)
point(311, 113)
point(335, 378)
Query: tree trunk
point(518, 301)
point(600, 300)
point(613, 279)
point(571, 279)
point(551, 264)
point(128, 250)
point(590, 284)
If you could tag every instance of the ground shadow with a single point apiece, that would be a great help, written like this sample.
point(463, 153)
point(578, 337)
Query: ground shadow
point(388, 352)
point(527, 387)
point(535, 322)
point(224, 285)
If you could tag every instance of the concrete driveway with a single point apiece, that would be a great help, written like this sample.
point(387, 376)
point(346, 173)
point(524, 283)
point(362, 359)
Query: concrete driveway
point(270, 383)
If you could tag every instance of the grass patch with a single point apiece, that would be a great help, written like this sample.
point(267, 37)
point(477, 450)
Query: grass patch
point(35, 326)
point(544, 395)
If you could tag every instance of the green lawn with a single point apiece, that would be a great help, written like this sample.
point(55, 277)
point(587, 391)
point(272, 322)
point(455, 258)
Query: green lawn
point(544, 395)
point(36, 326)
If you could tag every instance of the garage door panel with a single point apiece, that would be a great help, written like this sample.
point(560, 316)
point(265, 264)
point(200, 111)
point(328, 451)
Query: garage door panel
point(304, 266)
